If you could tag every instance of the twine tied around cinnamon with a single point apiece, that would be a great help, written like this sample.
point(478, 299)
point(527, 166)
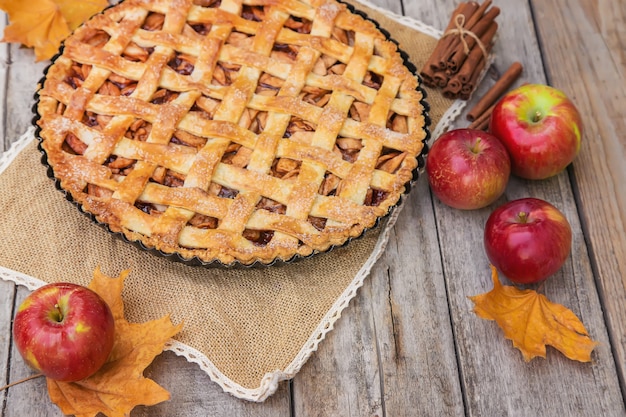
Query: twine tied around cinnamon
point(455, 65)
point(459, 21)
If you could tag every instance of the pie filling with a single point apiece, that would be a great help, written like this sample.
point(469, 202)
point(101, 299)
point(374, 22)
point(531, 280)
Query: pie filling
point(230, 132)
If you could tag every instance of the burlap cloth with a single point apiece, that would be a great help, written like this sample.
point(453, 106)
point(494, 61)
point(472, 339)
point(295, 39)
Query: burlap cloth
point(247, 328)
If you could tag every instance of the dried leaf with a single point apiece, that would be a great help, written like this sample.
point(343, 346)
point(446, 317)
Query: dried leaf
point(76, 12)
point(119, 385)
point(43, 24)
point(532, 321)
point(35, 23)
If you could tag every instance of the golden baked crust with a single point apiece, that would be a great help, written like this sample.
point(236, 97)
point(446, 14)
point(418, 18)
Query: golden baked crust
point(229, 131)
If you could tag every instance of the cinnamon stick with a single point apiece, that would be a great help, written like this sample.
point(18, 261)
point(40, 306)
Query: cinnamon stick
point(428, 71)
point(458, 55)
point(470, 64)
point(440, 78)
point(492, 95)
point(484, 125)
point(427, 74)
point(478, 14)
point(449, 42)
point(453, 88)
point(469, 21)
point(481, 121)
point(456, 62)
point(433, 61)
point(470, 85)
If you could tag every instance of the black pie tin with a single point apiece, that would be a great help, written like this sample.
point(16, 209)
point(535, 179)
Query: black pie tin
point(195, 261)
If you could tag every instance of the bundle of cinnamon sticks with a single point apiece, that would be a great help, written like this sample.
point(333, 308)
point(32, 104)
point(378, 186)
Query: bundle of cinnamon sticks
point(462, 52)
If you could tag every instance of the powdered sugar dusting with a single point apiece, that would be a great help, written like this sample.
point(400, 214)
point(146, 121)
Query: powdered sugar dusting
point(329, 11)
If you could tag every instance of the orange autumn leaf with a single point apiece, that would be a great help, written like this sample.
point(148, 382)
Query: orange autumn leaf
point(43, 24)
point(119, 385)
point(76, 12)
point(531, 322)
point(37, 24)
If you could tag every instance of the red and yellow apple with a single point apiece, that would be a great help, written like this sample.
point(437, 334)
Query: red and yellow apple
point(541, 129)
point(65, 331)
point(467, 168)
point(527, 239)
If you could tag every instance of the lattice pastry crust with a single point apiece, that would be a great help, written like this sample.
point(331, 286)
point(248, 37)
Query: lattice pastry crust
point(232, 131)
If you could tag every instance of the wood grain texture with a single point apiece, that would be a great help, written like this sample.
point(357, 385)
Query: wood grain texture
point(4, 65)
point(398, 322)
point(587, 60)
point(7, 289)
point(409, 344)
point(342, 377)
point(395, 334)
point(194, 395)
point(394, 6)
point(517, 388)
point(7, 297)
point(433, 13)
point(413, 328)
point(21, 84)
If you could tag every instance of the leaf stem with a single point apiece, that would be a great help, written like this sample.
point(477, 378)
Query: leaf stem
point(541, 286)
point(28, 378)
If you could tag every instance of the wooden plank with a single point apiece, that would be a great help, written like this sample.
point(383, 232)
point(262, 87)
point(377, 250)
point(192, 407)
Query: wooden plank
point(394, 6)
point(341, 378)
point(586, 59)
point(4, 65)
point(375, 362)
point(7, 297)
point(433, 13)
point(496, 380)
point(193, 394)
point(21, 86)
point(384, 341)
point(394, 322)
point(415, 338)
point(6, 288)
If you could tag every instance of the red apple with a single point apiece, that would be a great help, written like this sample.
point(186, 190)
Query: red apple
point(467, 168)
point(528, 240)
point(65, 331)
point(541, 129)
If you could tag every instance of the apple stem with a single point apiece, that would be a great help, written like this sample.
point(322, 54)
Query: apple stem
point(476, 146)
point(537, 116)
point(59, 315)
point(28, 378)
point(522, 216)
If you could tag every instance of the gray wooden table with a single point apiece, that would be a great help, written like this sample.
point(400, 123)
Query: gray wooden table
point(409, 344)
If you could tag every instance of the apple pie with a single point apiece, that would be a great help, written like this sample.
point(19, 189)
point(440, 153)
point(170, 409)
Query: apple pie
point(230, 131)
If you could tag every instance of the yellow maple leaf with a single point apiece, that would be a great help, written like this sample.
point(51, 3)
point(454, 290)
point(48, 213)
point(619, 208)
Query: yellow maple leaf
point(531, 321)
point(76, 12)
point(43, 24)
point(37, 24)
point(119, 385)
